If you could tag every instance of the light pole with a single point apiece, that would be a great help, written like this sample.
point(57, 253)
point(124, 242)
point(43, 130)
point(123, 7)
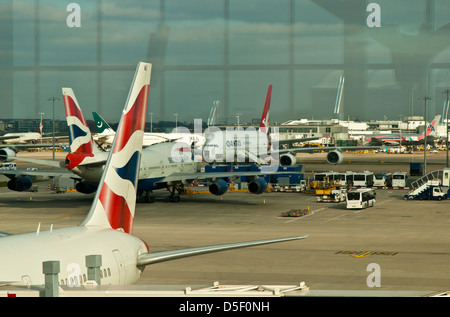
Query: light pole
point(53, 123)
point(151, 121)
point(425, 98)
point(446, 122)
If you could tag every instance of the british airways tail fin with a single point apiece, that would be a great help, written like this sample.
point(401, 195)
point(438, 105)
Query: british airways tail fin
point(115, 201)
point(81, 142)
point(264, 124)
point(80, 138)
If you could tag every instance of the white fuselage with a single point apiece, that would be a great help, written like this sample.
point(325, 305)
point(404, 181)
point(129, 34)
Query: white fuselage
point(195, 140)
point(22, 255)
point(158, 160)
point(21, 138)
point(235, 146)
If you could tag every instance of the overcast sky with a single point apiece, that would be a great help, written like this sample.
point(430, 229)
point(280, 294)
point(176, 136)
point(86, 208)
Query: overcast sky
point(390, 68)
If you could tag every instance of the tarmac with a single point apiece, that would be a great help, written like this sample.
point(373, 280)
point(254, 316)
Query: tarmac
point(398, 245)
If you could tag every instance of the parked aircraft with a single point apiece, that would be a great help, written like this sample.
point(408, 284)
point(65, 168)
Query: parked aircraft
point(105, 135)
point(164, 165)
point(107, 228)
point(23, 137)
point(405, 138)
point(260, 146)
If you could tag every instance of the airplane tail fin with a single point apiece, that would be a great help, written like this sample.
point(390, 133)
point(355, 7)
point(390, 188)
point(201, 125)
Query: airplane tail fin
point(79, 133)
point(264, 124)
point(102, 126)
point(41, 127)
point(80, 138)
point(431, 129)
point(212, 113)
point(115, 201)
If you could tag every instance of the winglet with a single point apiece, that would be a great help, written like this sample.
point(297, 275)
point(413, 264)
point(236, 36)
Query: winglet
point(115, 201)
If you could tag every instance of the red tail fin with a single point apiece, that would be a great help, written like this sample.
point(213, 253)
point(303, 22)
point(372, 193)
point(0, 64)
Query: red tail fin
point(41, 127)
point(264, 124)
point(115, 201)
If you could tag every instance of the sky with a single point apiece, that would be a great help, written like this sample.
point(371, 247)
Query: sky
point(229, 50)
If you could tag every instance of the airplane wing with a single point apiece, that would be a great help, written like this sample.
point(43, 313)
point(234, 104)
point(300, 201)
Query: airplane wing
point(51, 163)
point(48, 173)
point(23, 147)
point(161, 256)
point(326, 149)
point(297, 140)
point(189, 177)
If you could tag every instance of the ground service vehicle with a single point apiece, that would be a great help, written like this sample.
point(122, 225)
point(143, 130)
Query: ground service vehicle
point(363, 179)
point(382, 179)
point(361, 198)
point(429, 191)
point(399, 179)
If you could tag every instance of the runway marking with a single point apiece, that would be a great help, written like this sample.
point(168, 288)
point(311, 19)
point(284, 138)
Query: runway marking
point(66, 216)
point(312, 212)
point(362, 254)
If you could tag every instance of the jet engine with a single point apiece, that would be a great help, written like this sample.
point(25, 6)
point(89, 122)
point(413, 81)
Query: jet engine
point(19, 184)
point(86, 187)
point(288, 160)
point(335, 157)
point(219, 187)
point(258, 186)
point(7, 155)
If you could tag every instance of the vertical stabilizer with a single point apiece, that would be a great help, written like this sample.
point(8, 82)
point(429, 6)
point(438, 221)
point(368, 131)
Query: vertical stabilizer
point(264, 124)
point(338, 105)
point(102, 126)
point(431, 129)
point(41, 127)
point(115, 201)
point(79, 134)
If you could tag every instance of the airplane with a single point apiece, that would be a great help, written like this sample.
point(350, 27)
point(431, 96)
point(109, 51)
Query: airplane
point(23, 137)
point(262, 147)
point(105, 135)
point(167, 165)
point(16, 142)
point(404, 138)
point(107, 228)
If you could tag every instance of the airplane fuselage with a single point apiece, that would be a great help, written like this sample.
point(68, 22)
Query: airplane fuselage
point(154, 138)
point(21, 138)
point(23, 254)
point(235, 146)
point(157, 161)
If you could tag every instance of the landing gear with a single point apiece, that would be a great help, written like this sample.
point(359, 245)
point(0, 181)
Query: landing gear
point(175, 191)
point(145, 196)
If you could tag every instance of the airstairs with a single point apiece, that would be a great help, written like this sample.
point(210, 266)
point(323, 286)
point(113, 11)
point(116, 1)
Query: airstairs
point(421, 187)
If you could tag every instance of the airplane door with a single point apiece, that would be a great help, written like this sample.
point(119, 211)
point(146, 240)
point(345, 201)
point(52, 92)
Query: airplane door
point(120, 265)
